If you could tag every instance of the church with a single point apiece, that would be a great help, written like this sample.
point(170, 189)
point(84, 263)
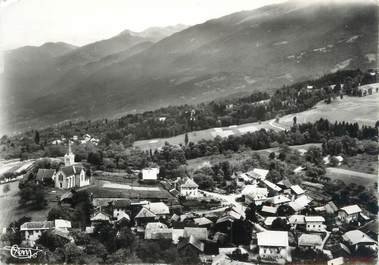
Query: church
point(71, 175)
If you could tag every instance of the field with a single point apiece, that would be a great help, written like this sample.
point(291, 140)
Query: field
point(362, 163)
point(350, 176)
point(10, 210)
point(348, 109)
point(364, 110)
point(208, 134)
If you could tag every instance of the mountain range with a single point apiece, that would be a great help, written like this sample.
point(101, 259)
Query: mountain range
point(261, 49)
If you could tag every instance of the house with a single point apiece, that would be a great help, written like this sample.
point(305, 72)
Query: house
point(44, 175)
point(157, 230)
point(356, 239)
point(273, 246)
point(151, 212)
point(203, 222)
point(349, 213)
point(271, 186)
point(190, 245)
point(71, 176)
point(176, 235)
point(329, 208)
point(120, 209)
point(278, 200)
point(188, 188)
point(100, 217)
point(310, 241)
point(32, 231)
point(300, 203)
point(196, 232)
point(257, 195)
point(150, 174)
point(297, 190)
point(296, 219)
point(269, 210)
point(315, 223)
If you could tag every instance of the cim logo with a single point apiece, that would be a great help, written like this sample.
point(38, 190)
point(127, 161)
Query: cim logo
point(22, 252)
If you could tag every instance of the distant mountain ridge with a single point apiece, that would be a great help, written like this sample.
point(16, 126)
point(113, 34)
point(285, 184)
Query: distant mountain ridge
point(245, 51)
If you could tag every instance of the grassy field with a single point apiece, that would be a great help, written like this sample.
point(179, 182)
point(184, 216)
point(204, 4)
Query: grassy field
point(348, 109)
point(350, 176)
point(364, 110)
point(362, 163)
point(10, 210)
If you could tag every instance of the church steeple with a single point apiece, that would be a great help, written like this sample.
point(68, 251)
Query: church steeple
point(69, 158)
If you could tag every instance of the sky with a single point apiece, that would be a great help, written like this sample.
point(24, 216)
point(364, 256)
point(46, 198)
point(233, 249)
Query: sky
point(79, 22)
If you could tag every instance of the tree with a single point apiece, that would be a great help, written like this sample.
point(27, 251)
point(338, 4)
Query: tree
point(125, 238)
point(73, 254)
point(32, 195)
point(36, 137)
point(272, 155)
point(51, 241)
point(205, 182)
point(279, 224)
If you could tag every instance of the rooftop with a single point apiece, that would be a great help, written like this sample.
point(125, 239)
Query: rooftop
point(314, 219)
point(355, 237)
point(273, 238)
point(352, 209)
point(310, 240)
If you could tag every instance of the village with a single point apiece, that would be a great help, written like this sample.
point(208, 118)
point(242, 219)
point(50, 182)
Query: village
point(257, 222)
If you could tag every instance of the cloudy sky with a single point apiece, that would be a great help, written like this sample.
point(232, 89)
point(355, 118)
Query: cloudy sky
point(34, 22)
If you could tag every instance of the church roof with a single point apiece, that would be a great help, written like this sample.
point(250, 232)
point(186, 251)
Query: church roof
point(72, 170)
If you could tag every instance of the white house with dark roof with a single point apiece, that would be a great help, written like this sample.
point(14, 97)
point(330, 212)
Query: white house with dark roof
point(188, 188)
point(315, 223)
point(273, 246)
point(349, 213)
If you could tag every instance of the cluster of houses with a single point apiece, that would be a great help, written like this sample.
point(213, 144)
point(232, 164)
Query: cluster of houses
point(86, 138)
point(289, 218)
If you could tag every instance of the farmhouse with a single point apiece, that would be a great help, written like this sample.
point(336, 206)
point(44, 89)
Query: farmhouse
point(150, 174)
point(157, 230)
point(315, 223)
point(273, 246)
point(120, 209)
point(310, 241)
point(32, 231)
point(188, 188)
point(257, 195)
point(349, 213)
